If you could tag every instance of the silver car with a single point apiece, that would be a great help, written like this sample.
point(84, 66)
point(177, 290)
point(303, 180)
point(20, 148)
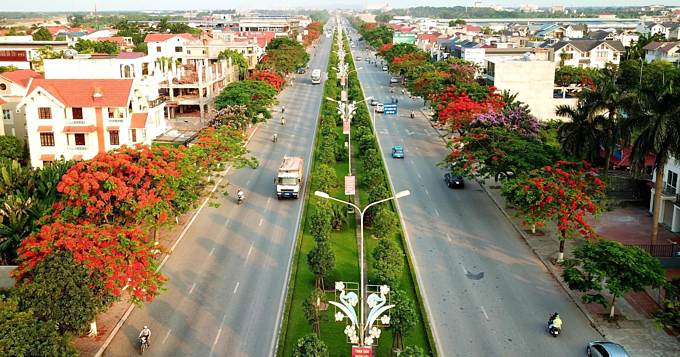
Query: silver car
point(602, 348)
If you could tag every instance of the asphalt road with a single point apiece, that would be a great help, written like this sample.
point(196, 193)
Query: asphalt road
point(229, 274)
point(486, 293)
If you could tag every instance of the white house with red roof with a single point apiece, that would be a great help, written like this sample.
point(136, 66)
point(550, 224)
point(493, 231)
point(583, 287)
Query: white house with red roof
point(78, 118)
point(12, 89)
point(168, 45)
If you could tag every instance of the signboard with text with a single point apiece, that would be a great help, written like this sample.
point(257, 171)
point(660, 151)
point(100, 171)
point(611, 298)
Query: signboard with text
point(362, 351)
point(345, 127)
point(343, 95)
point(349, 185)
point(390, 108)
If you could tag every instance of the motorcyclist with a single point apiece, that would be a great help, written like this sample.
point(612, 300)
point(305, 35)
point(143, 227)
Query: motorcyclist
point(413, 114)
point(554, 322)
point(240, 194)
point(146, 333)
point(275, 137)
point(392, 90)
point(283, 109)
point(403, 91)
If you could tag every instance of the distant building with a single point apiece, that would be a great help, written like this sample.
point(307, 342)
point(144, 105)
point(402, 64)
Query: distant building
point(558, 8)
point(588, 53)
point(376, 6)
point(606, 15)
point(479, 4)
point(668, 51)
point(528, 8)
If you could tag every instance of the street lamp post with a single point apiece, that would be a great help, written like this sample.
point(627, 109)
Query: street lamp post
point(361, 248)
point(346, 111)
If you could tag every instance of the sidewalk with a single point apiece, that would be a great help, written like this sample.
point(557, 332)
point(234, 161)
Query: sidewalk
point(106, 322)
point(631, 326)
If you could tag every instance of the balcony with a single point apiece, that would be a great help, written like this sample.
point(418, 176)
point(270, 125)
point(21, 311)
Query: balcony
point(75, 122)
point(79, 148)
point(156, 102)
point(115, 120)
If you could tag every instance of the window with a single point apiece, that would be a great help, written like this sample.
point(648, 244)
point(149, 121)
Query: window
point(6, 114)
point(80, 139)
point(158, 48)
point(47, 163)
point(133, 135)
point(188, 52)
point(145, 69)
point(3, 86)
point(178, 48)
point(601, 54)
point(46, 139)
point(491, 69)
point(77, 113)
point(114, 137)
point(672, 179)
point(45, 113)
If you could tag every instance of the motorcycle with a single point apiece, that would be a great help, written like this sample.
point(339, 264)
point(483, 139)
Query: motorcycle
point(143, 344)
point(283, 121)
point(276, 138)
point(241, 199)
point(554, 331)
point(283, 109)
point(413, 115)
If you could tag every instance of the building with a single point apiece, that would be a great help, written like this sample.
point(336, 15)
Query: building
point(19, 51)
point(588, 53)
point(78, 118)
point(665, 28)
point(168, 45)
point(531, 76)
point(606, 15)
point(207, 47)
point(668, 51)
point(12, 89)
point(528, 8)
point(281, 24)
point(2, 127)
point(558, 8)
point(669, 210)
point(125, 44)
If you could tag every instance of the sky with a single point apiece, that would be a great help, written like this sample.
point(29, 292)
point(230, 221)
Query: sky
point(132, 5)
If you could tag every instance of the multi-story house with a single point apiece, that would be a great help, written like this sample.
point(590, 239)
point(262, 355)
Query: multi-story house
point(13, 88)
point(168, 45)
point(669, 210)
point(78, 118)
point(19, 51)
point(668, 29)
point(587, 53)
point(207, 47)
point(669, 51)
point(574, 31)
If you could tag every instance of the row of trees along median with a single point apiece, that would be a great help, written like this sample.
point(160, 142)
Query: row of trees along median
point(98, 219)
point(545, 166)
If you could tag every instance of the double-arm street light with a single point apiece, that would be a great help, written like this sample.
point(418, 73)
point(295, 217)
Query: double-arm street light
point(362, 340)
point(347, 111)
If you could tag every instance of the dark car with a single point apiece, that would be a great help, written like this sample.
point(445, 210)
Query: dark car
point(302, 71)
point(454, 180)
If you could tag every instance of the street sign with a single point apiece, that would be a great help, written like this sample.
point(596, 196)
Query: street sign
point(361, 351)
point(345, 127)
point(349, 185)
point(390, 108)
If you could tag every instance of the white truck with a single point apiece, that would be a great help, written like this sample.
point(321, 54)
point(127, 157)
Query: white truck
point(316, 76)
point(289, 180)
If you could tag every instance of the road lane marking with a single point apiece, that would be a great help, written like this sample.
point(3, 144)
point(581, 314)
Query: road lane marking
point(260, 222)
point(166, 337)
point(219, 332)
point(247, 183)
point(447, 236)
point(236, 288)
point(217, 337)
point(418, 175)
point(212, 251)
point(192, 288)
point(411, 162)
point(427, 192)
point(247, 256)
point(485, 315)
point(437, 212)
point(225, 225)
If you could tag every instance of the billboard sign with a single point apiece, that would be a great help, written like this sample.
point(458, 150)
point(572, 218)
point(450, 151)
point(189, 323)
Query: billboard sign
point(350, 185)
point(390, 108)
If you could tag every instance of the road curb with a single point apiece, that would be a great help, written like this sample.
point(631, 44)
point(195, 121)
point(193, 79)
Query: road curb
point(127, 313)
point(571, 294)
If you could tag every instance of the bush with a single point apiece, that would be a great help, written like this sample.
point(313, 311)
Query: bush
point(371, 159)
point(389, 262)
point(11, 147)
point(320, 222)
point(326, 178)
point(385, 224)
point(367, 142)
point(374, 178)
point(341, 153)
point(310, 346)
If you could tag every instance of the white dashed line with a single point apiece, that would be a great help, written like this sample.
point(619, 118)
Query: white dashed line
point(484, 311)
point(236, 288)
point(166, 337)
point(247, 183)
point(418, 175)
point(212, 251)
point(447, 236)
point(260, 222)
point(437, 212)
point(247, 256)
point(192, 288)
point(226, 223)
point(427, 192)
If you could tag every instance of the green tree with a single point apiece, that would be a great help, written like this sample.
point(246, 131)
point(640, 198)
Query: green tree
point(9, 68)
point(237, 60)
point(385, 224)
point(21, 334)
point(413, 351)
point(11, 147)
point(309, 306)
point(64, 292)
point(42, 34)
point(257, 96)
point(389, 262)
point(310, 346)
point(655, 118)
point(321, 261)
point(142, 47)
point(320, 222)
point(43, 53)
point(326, 178)
point(668, 317)
point(403, 318)
point(619, 268)
point(582, 133)
point(338, 215)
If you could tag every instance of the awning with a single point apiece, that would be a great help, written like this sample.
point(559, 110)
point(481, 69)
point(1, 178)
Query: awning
point(112, 128)
point(80, 129)
point(44, 129)
point(47, 157)
point(138, 120)
point(77, 157)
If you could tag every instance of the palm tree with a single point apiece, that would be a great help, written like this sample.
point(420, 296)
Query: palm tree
point(580, 136)
point(656, 120)
point(607, 99)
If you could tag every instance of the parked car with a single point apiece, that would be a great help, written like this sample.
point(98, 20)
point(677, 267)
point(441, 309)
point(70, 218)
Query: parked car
point(602, 348)
point(454, 180)
point(374, 102)
point(394, 80)
point(302, 71)
point(384, 68)
point(358, 58)
point(367, 59)
point(380, 108)
point(398, 152)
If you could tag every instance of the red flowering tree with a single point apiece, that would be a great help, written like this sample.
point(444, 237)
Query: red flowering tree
point(119, 252)
point(310, 37)
point(457, 106)
point(316, 26)
point(369, 26)
point(405, 63)
point(270, 77)
point(384, 48)
point(564, 194)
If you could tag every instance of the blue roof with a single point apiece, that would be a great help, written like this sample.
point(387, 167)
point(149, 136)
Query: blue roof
point(547, 30)
point(74, 34)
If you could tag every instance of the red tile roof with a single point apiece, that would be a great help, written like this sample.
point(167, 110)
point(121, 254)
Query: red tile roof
point(79, 92)
point(160, 37)
point(139, 120)
point(44, 129)
point(47, 157)
point(406, 29)
point(473, 28)
point(625, 158)
point(80, 129)
point(22, 76)
point(2, 101)
point(111, 39)
point(395, 26)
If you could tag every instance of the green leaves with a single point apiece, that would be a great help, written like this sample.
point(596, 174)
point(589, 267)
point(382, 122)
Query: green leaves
point(389, 261)
point(256, 96)
point(310, 346)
